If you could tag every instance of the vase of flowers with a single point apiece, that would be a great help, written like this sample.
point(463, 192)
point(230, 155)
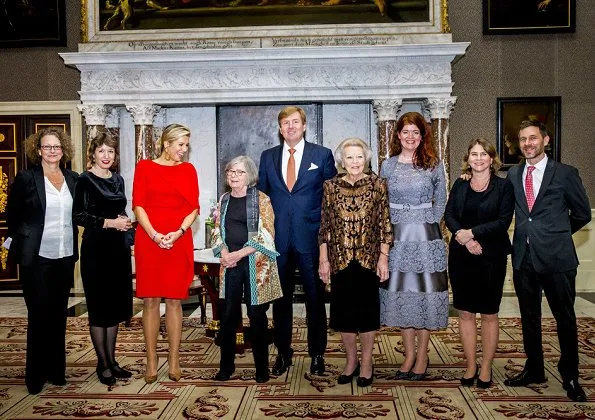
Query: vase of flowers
point(210, 223)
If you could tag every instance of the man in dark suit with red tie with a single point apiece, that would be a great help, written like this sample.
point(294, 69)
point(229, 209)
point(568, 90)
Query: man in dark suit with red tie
point(292, 175)
point(550, 205)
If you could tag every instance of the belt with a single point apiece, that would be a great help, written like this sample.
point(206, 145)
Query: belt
point(410, 207)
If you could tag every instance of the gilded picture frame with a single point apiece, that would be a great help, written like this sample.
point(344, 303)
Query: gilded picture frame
point(512, 111)
point(147, 24)
point(511, 17)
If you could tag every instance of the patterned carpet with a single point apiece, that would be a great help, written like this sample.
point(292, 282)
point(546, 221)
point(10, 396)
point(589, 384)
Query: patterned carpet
point(297, 394)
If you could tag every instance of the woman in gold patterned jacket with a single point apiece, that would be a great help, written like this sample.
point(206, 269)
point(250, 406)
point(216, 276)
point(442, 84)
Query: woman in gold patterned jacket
point(354, 238)
point(244, 239)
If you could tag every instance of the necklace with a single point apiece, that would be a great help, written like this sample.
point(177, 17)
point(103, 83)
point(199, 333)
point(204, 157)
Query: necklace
point(97, 171)
point(56, 178)
point(480, 189)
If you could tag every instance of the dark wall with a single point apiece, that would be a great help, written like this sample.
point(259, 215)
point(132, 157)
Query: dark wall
point(525, 65)
point(494, 66)
point(39, 74)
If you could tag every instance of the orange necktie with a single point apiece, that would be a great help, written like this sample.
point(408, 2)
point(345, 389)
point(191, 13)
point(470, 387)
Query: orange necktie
point(291, 170)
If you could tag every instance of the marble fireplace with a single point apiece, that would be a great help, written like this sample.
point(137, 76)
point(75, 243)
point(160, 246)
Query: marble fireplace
point(362, 90)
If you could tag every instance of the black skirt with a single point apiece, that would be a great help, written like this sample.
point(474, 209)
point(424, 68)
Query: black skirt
point(477, 281)
point(355, 302)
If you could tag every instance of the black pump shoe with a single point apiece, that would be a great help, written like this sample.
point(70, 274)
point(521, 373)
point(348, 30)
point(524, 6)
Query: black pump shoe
point(484, 384)
point(105, 380)
point(363, 381)
point(345, 379)
point(119, 373)
point(470, 381)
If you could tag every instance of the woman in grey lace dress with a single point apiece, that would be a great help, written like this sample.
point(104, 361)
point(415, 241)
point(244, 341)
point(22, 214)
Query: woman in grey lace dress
point(416, 296)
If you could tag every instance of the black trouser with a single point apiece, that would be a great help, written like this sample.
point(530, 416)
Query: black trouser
point(559, 289)
point(315, 309)
point(237, 284)
point(46, 286)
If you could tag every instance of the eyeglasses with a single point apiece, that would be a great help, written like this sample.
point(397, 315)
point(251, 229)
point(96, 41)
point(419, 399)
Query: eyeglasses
point(47, 147)
point(231, 172)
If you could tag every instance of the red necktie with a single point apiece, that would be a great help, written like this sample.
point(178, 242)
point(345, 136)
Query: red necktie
point(529, 187)
point(291, 170)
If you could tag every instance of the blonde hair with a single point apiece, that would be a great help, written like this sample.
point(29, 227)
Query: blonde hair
point(172, 133)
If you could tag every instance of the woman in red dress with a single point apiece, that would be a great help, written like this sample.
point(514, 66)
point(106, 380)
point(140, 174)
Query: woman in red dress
point(165, 202)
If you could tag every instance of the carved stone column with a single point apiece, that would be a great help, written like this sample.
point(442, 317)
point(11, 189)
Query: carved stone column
point(159, 123)
point(95, 116)
point(386, 111)
point(143, 115)
point(439, 110)
point(112, 125)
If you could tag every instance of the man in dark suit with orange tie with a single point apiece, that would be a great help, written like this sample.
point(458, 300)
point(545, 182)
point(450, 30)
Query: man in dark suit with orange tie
point(292, 175)
point(550, 205)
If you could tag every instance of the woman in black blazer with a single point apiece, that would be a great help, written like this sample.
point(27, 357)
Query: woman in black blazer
point(478, 213)
point(45, 245)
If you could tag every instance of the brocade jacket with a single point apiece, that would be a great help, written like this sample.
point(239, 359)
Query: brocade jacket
point(355, 221)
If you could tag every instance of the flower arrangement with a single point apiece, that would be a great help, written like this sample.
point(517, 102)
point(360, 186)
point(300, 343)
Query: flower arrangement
point(213, 214)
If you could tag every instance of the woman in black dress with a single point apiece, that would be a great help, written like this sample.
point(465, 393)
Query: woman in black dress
point(100, 207)
point(478, 213)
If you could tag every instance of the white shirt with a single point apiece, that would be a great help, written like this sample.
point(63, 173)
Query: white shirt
point(297, 155)
point(537, 175)
point(56, 241)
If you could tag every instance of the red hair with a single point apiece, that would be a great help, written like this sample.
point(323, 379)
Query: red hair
point(425, 156)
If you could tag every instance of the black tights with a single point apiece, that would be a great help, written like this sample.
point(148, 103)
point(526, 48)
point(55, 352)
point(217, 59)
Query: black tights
point(104, 342)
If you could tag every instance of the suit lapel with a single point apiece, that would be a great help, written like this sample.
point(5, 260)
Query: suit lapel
point(548, 174)
point(70, 181)
point(278, 160)
point(305, 163)
point(40, 184)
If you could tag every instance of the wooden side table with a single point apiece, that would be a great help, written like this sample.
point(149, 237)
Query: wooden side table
point(206, 267)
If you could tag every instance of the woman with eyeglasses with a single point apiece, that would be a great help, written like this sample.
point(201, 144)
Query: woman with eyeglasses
point(165, 202)
point(244, 239)
point(44, 244)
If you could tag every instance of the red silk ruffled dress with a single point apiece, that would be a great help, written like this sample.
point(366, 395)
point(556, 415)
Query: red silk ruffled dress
point(168, 194)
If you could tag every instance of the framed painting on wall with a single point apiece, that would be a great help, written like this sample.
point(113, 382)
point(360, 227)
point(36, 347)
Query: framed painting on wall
point(201, 24)
point(512, 111)
point(528, 16)
point(32, 23)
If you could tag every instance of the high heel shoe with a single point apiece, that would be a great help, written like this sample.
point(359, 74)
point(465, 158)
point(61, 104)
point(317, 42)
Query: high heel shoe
point(105, 380)
point(401, 375)
point(363, 381)
point(484, 384)
point(151, 378)
point(174, 375)
point(119, 373)
point(470, 381)
point(419, 376)
point(345, 379)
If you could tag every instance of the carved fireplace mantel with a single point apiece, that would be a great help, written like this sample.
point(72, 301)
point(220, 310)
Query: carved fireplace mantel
point(325, 74)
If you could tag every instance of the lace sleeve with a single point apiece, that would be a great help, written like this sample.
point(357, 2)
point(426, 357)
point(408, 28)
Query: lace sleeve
point(439, 182)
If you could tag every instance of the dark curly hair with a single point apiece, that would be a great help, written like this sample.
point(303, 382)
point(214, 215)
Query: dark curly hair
point(103, 137)
point(425, 156)
point(33, 144)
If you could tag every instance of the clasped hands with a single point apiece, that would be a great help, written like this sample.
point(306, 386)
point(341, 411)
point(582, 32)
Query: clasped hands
point(465, 237)
point(229, 259)
point(167, 241)
point(121, 223)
